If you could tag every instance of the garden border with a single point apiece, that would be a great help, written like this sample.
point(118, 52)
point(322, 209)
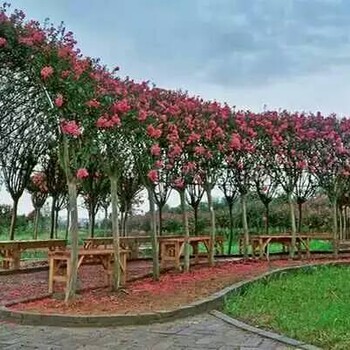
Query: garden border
point(213, 302)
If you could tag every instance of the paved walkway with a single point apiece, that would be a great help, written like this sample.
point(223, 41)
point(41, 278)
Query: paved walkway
point(200, 332)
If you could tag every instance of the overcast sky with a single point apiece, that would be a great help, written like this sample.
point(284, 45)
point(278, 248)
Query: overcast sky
point(292, 54)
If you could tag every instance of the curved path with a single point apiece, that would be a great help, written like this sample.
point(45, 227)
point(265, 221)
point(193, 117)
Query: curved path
point(200, 332)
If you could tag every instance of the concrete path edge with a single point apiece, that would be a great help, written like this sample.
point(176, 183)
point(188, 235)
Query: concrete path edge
point(213, 302)
point(263, 333)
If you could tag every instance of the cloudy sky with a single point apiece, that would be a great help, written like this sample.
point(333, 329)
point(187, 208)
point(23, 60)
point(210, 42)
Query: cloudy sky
point(292, 54)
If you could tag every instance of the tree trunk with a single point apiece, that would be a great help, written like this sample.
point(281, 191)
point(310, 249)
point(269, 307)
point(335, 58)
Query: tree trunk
point(300, 212)
point(106, 218)
point(160, 219)
point(155, 250)
point(36, 223)
point(68, 223)
point(245, 223)
point(74, 233)
point(335, 227)
point(92, 215)
point(212, 226)
point(53, 205)
point(293, 225)
point(267, 218)
point(195, 214)
point(13, 219)
point(186, 231)
point(126, 224)
point(56, 223)
point(115, 229)
point(230, 242)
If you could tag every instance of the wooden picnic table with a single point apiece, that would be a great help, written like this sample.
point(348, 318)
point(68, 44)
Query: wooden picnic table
point(131, 243)
point(172, 248)
point(260, 243)
point(60, 264)
point(11, 250)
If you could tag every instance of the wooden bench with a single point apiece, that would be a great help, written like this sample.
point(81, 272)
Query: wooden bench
point(260, 243)
point(171, 249)
point(60, 264)
point(131, 243)
point(11, 250)
point(134, 243)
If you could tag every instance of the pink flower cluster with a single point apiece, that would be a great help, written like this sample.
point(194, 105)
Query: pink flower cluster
point(46, 72)
point(59, 100)
point(93, 103)
point(70, 127)
point(153, 132)
point(3, 42)
point(82, 173)
point(121, 106)
point(39, 180)
point(107, 122)
point(153, 176)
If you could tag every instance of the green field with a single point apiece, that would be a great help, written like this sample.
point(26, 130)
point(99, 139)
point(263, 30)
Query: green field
point(310, 305)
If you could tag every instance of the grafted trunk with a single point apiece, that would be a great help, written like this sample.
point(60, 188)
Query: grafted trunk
point(56, 223)
point(53, 206)
point(67, 223)
point(335, 227)
point(115, 228)
point(13, 219)
point(154, 239)
point(160, 219)
point(36, 223)
point(187, 231)
point(245, 223)
point(230, 241)
point(92, 217)
point(73, 230)
point(195, 214)
point(300, 218)
point(212, 226)
point(293, 225)
point(267, 218)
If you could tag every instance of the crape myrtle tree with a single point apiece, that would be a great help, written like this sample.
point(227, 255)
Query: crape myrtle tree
point(227, 185)
point(329, 154)
point(195, 192)
point(129, 187)
point(38, 190)
point(70, 82)
point(266, 188)
point(287, 136)
point(240, 157)
point(56, 183)
point(305, 189)
point(23, 136)
point(93, 189)
point(207, 151)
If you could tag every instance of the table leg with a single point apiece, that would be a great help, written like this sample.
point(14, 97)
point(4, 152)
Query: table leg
point(51, 273)
point(68, 272)
point(123, 268)
point(177, 256)
point(195, 252)
point(261, 248)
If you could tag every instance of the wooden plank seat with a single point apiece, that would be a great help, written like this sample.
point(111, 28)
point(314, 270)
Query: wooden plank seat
point(11, 250)
point(60, 264)
point(260, 243)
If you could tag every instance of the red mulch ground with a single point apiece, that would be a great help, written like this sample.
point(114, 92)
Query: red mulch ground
point(24, 285)
point(173, 289)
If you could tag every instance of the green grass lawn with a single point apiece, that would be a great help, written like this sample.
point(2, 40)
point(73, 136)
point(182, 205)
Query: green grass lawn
point(311, 305)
